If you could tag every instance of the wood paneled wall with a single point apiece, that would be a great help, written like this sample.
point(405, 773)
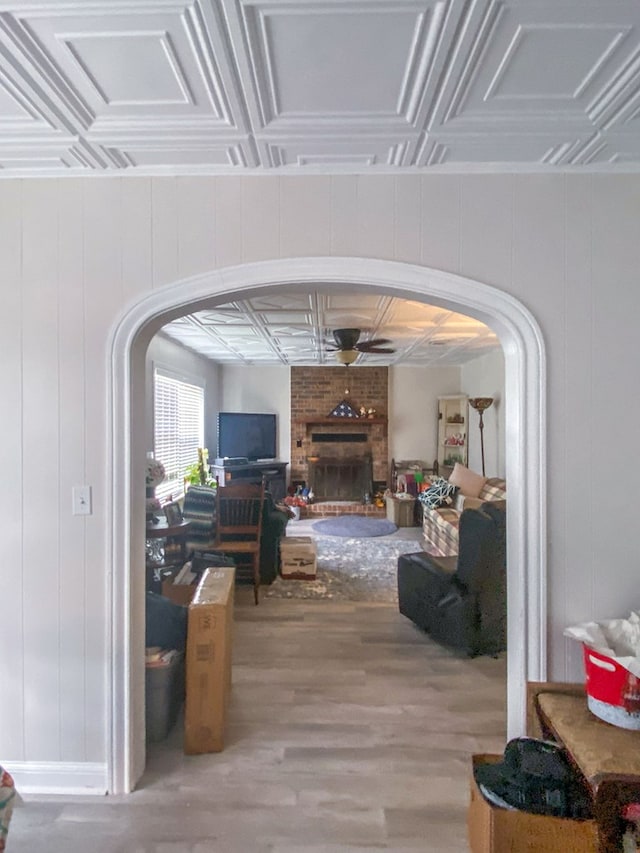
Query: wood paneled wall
point(74, 254)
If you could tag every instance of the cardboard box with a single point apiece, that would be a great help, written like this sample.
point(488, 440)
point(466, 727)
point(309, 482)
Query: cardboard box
point(495, 830)
point(298, 557)
point(179, 593)
point(208, 661)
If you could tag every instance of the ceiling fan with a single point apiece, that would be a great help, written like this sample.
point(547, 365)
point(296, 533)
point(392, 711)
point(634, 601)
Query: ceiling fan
point(348, 349)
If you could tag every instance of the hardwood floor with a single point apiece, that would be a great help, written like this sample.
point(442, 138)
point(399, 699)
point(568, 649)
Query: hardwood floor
point(350, 731)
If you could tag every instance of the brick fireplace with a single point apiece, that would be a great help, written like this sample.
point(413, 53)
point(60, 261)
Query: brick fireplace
point(339, 457)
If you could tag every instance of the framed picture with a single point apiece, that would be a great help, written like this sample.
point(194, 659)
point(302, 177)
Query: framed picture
point(173, 513)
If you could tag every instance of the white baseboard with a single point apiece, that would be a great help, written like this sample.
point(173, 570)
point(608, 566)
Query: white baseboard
point(58, 777)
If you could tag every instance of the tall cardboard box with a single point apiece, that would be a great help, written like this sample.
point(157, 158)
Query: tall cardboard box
point(208, 661)
point(494, 830)
point(298, 557)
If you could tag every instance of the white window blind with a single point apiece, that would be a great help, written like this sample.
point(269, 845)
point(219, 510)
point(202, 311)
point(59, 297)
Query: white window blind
point(178, 429)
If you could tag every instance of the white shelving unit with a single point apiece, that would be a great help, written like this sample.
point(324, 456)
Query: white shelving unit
point(453, 423)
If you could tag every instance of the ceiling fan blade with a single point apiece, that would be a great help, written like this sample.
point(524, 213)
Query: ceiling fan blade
point(374, 342)
point(375, 350)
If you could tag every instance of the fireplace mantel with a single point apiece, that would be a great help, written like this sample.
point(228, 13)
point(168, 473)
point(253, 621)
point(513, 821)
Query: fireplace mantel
point(308, 422)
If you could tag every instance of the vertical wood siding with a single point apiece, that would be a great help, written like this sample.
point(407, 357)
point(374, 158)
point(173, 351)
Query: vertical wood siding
point(75, 253)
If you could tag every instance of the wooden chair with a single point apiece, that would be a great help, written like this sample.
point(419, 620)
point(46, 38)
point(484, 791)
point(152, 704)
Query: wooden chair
point(239, 525)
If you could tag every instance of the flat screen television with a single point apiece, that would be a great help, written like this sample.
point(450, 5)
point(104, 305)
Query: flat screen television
point(249, 434)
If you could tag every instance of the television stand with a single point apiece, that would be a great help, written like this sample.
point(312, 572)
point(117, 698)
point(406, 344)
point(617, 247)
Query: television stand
point(274, 472)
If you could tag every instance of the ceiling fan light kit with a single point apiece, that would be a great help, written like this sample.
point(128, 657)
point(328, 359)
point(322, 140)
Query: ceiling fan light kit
point(346, 356)
point(348, 348)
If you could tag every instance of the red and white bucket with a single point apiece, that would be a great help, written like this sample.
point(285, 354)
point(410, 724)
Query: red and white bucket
point(613, 693)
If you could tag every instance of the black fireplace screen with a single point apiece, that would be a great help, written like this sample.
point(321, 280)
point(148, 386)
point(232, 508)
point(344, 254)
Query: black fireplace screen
point(341, 479)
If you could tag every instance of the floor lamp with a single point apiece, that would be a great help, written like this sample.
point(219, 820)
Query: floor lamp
point(481, 404)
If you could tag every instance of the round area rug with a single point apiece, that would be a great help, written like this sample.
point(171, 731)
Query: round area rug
point(359, 526)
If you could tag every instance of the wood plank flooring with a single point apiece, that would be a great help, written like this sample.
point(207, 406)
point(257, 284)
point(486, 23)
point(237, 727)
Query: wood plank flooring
point(350, 731)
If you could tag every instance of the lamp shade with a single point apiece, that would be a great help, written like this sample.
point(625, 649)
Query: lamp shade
point(480, 404)
point(347, 356)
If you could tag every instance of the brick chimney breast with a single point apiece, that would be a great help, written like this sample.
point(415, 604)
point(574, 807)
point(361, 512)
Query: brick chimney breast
point(315, 393)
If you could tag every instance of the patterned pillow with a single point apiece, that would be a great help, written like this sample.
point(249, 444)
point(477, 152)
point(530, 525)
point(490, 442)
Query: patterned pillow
point(440, 493)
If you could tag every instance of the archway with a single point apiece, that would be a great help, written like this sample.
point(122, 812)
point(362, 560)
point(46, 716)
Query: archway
point(525, 461)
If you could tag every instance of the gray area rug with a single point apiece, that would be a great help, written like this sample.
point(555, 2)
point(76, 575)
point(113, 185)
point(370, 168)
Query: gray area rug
point(349, 570)
point(354, 526)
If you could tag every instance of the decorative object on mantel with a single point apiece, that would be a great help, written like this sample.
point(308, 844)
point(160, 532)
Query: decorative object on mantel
point(481, 404)
point(344, 409)
point(154, 475)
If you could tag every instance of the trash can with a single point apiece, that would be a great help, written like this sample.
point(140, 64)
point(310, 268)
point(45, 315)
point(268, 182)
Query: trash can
point(164, 685)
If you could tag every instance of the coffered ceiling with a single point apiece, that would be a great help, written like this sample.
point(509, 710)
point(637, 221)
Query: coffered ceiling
point(295, 329)
point(239, 86)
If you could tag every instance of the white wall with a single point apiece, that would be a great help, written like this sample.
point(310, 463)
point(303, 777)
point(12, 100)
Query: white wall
point(413, 404)
point(260, 388)
point(187, 365)
point(484, 377)
point(413, 409)
point(76, 254)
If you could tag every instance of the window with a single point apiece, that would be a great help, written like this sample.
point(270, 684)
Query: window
point(178, 429)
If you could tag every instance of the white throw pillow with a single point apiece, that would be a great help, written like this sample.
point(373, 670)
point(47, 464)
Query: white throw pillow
point(469, 483)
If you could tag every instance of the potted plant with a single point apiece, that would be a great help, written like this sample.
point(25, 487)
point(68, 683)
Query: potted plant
point(198, 474)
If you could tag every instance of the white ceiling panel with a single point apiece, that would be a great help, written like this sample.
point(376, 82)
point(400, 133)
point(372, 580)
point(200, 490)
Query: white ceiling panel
point(318, 86)
point(273, 330)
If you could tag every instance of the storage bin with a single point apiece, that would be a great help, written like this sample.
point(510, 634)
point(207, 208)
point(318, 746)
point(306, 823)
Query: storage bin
point(164, 685)
point(496, 830)
point(613, 693)
point(401, 510)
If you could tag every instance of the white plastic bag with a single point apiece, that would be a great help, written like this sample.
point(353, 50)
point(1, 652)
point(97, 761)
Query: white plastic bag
point(618, 639)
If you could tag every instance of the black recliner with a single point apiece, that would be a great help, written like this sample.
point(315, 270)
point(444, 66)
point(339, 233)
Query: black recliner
point(461, 601)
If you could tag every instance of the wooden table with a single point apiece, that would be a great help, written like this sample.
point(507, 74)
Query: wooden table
point(155, 533)
point(607, 756)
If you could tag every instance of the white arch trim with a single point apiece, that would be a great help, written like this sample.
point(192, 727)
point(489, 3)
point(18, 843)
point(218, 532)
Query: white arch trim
point(525, 393)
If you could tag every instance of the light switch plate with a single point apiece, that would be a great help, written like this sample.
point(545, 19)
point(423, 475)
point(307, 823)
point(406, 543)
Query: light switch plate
point(81, 500)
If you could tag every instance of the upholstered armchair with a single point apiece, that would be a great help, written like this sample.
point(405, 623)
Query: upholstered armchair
point(461, 601)
point(200, 509)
